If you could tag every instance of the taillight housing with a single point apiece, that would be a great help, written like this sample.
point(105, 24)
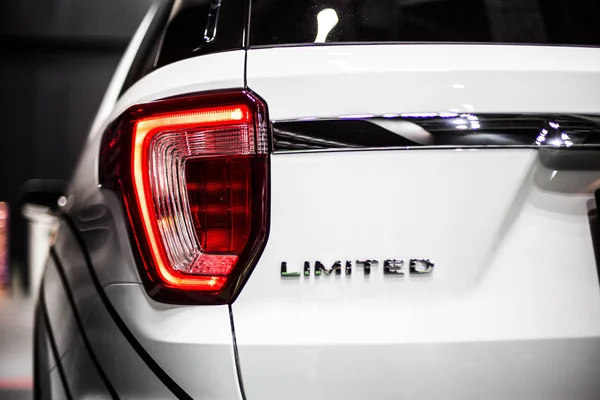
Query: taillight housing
point(193, 174)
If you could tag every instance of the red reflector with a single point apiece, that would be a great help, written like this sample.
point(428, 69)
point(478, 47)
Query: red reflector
point(220, 202)
point(196, 188)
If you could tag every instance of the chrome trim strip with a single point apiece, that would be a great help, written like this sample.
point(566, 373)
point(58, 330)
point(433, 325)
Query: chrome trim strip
point(431, 130)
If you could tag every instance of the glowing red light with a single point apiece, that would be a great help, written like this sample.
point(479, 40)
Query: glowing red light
point(193, 175)
point(205, 274)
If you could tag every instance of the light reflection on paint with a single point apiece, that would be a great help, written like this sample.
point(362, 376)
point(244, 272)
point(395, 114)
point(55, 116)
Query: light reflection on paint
point(357, 116)
point(448, 115)
point(419, 115)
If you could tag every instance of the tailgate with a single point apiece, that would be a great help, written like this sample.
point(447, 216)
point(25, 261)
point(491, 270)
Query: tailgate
point(503, 300)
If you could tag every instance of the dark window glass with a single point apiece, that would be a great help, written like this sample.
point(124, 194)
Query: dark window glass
point(188, 28)
point(198, 27)
point(570, 22)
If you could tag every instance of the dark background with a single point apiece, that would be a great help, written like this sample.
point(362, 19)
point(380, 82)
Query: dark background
point(57, 57)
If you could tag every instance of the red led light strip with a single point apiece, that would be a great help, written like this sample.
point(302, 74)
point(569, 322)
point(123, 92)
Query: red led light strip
point(144, 130)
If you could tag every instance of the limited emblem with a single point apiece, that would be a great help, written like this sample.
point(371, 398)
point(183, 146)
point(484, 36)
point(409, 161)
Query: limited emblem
point(413, 266)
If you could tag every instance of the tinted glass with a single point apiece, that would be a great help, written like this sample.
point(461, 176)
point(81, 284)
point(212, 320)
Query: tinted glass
point(188, 28)
point(571, 22)
point(198, 27)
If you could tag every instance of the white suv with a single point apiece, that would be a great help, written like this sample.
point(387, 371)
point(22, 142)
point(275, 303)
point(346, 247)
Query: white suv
point(335, 200)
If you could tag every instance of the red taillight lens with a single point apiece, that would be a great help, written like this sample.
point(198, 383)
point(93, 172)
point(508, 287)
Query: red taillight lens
point(195, 187)
point(219, 192)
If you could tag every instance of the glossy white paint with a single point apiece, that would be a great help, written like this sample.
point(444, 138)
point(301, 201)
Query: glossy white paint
point(217, 71)
point(514, 262)
point(329, 81)
point(193, 345)
point(123, 367)
point(450, 206)
point(118, 78)
point(211, 72)
point(515, 287)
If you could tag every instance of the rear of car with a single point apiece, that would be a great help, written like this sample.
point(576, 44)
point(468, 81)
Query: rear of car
point(336, 199)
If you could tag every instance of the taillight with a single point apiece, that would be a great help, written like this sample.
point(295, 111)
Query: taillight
point(193, 174)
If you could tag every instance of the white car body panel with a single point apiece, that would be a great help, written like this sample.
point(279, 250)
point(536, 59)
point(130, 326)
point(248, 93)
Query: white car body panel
point(514, 299)
point(211, 72)
point(118, 78)
point(218, 71)
point(512, 309)
point(192, 344)
point(458, 219)
point(342, 80)
point(103, 228)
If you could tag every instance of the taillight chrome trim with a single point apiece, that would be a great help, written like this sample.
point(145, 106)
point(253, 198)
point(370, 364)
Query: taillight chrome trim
point(120, 168)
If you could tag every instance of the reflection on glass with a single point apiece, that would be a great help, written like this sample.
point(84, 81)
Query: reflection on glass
point(327, 19)
point(541, 137)
point(563, 22)
point(566, 139)
point(554, 137)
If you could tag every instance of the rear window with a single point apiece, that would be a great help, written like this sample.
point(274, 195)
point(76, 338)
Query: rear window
point(567, 22)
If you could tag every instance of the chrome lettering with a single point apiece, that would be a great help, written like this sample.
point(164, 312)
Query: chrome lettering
point(393, 267)
point(320, 268)
point(419, 266)
point(366, 264)
point(348, 267)
point(397, 267)
point(284, 271)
